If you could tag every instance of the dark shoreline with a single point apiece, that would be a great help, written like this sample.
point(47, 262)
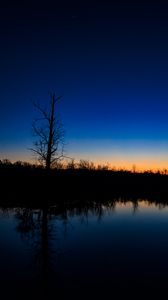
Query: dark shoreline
point(38, 187)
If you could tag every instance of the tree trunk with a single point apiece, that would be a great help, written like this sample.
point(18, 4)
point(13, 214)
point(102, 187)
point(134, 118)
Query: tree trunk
point(51, 128)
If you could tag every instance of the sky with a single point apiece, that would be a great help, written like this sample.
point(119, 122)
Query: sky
point(108, 61)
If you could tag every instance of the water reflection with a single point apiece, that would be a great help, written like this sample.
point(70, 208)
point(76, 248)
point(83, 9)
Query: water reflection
point(98, 246)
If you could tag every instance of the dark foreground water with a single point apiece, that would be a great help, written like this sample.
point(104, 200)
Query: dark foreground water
point(117, 250)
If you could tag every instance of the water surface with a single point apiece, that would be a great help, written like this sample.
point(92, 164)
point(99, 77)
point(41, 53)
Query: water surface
point(116, 248)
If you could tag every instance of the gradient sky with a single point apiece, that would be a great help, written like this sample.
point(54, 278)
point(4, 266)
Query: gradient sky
point(109, 61)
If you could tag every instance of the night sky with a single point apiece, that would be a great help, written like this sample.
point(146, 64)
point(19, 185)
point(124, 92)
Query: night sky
point(109, 61)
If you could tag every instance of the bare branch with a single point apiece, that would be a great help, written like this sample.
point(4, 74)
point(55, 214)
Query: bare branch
point(48, 130)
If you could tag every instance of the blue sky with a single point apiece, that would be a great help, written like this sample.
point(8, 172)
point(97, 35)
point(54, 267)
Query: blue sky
point(110, 64)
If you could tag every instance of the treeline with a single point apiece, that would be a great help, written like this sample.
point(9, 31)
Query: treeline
point(24, 184)
point(60, 165)
point(6, 164)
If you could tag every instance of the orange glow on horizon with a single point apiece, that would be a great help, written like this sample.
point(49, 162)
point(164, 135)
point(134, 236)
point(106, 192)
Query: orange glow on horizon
point(113, 165)
point(137, 164)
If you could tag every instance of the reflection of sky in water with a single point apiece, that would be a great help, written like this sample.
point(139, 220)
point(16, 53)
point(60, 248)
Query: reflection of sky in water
point(89, 248)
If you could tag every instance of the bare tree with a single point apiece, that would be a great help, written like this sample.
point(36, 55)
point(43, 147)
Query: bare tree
point(49, 145)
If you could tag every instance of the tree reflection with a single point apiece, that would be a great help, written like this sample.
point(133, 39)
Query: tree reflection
point(35, 230)
point(135, 206)
point(39, 232)
point(40, 229)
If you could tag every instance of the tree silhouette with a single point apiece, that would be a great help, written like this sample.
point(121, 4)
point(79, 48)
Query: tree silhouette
point(49, 145)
